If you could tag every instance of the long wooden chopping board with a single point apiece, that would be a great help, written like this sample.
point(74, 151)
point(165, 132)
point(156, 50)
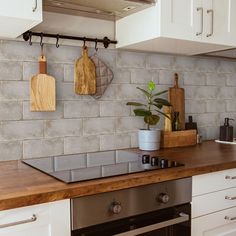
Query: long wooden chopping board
point(85, 75)
point(176, 98)
point(42, 89)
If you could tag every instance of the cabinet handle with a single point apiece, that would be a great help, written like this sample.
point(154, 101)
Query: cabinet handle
point(230, 218)
point(201, 31)
point(32, 219)
point(212, 22)
point(230, 198)
point(230, 177)
point(35, 6)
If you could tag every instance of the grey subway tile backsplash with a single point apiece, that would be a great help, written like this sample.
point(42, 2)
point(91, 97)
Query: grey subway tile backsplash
point(83, 124)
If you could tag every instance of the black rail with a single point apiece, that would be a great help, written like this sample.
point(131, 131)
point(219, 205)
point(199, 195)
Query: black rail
point(28, 36)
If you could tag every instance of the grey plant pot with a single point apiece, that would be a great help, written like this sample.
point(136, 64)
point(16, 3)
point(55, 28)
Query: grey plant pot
point(149, 140)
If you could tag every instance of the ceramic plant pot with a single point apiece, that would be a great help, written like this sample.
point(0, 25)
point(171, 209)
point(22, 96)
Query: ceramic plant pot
point(149, 140)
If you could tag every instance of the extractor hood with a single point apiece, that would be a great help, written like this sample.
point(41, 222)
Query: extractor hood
point(102, 9)
point(226, 54)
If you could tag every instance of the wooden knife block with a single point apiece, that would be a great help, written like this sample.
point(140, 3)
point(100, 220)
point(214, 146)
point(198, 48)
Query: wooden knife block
point(178, 138)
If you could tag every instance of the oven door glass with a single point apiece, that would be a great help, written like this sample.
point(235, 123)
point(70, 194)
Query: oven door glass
point(172, 221)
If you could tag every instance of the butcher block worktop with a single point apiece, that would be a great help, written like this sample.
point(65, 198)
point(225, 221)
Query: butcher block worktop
point(22, 185)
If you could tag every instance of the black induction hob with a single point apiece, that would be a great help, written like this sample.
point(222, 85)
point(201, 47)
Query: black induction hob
point(87, 166)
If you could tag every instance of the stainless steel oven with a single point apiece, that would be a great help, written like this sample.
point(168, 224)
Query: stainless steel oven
point(161, 209)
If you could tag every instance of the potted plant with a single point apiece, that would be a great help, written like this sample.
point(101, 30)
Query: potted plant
point(149, 139)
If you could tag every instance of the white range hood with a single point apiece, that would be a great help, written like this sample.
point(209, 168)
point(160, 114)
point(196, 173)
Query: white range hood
point(89, 18)
point(103, 9)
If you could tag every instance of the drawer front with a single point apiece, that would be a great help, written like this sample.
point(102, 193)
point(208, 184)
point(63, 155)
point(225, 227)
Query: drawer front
point(49, 219)
point(212, 182)
point(212, 202)
point(215, 224)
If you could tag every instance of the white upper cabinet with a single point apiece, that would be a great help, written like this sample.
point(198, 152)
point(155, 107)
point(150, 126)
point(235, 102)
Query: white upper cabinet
point(179, 18)
point(16, 16)
point(180, 26)
point(219, 17)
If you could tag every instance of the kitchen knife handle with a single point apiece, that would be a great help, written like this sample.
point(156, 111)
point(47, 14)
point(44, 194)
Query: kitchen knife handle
point(201, 31)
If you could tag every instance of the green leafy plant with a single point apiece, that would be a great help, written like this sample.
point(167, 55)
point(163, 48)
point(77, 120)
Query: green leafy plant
point(151, 110)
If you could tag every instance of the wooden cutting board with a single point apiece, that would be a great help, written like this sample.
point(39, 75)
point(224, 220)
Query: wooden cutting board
point(176, 98)
point(42, 89)
point(85, 75)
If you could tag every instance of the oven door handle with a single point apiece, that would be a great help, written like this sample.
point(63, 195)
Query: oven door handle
point(182, 218)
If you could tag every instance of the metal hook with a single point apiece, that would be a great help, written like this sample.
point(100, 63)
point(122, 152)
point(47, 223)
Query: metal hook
point(30, 38)
point(84, 42)
point(96, 44)
point(41, 39)
point(57, 42)
point(41, 50)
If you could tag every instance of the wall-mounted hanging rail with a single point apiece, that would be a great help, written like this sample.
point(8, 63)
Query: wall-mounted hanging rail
point(28, 36)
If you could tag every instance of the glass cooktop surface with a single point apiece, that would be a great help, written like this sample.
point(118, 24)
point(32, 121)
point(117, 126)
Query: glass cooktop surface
point(88, 166)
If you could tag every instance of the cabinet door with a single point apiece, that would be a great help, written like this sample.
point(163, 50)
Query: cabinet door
point(49, 219)
point(25, 9)
point(182, 19)
point(231, 29)
point(16, 16)
point(215, 224)
point(218, 21)
point(213, 182)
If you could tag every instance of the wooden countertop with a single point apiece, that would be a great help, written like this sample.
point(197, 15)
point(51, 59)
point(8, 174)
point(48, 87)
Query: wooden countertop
point(22, 185)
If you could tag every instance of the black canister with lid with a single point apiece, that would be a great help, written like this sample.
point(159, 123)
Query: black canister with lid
point(226, 131)
point(190, 124)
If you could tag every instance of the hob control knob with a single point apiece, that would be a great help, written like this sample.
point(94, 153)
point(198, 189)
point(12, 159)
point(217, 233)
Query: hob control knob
point(116, 207)
point(163, 198)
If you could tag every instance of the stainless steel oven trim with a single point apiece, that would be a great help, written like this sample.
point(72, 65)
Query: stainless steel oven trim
point(134, 201)
point(182, 218)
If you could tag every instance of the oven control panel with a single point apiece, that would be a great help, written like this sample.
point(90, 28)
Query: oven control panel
point(110, 206)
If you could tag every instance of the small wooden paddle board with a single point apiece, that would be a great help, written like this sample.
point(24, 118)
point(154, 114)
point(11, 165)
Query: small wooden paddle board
point(42, 89)
point(85, 75)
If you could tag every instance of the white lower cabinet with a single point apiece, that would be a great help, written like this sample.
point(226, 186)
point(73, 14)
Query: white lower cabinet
point(221, 223)
point(214, 204)
point(48, 219)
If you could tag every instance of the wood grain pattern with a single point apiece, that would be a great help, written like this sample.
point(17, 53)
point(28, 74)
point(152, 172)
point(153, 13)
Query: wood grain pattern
point(22, 185)
point(85, 75)
point(167, 119)
point(177, 99)
point(42, 90)
point(178, 138)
